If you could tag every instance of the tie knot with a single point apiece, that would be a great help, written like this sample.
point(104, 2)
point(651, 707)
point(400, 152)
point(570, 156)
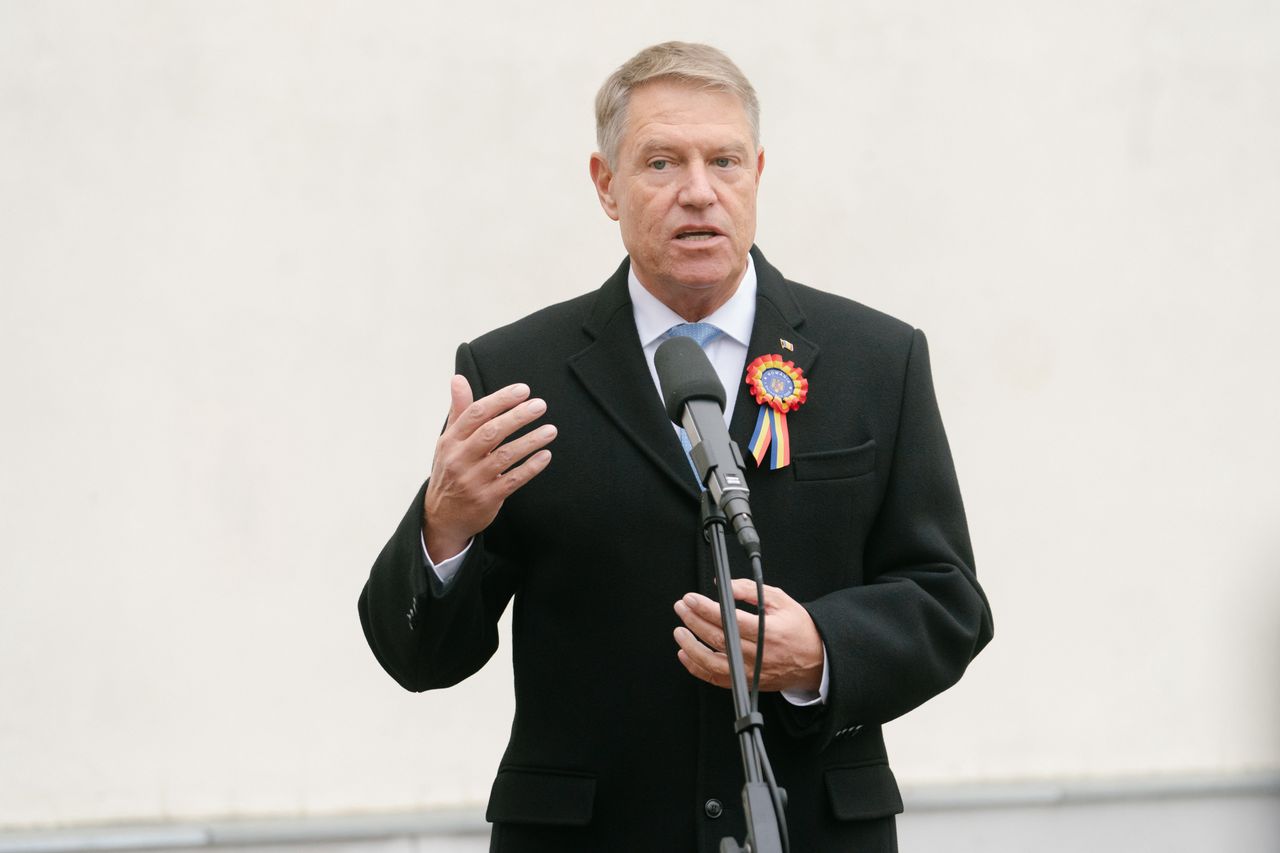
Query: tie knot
point(700, 333)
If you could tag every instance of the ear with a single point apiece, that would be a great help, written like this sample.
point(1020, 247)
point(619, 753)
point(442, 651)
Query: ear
point(759, 163)
point(602, 177)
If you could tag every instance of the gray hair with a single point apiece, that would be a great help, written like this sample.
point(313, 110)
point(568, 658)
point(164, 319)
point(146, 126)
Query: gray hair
point(699, 65)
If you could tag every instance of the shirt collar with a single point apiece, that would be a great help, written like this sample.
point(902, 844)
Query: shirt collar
point(734, 318)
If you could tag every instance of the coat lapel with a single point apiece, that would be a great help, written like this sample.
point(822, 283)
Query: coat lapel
point(778, 318)
point(614, 372)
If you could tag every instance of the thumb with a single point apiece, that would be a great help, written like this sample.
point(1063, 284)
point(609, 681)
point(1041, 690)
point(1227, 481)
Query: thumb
point(775, 598)
point(460, 397)
point(744, 589)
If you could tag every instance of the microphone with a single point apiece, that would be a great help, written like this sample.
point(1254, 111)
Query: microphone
point(695, 399)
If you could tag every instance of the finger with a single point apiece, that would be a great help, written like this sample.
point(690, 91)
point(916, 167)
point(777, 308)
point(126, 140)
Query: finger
point(520, 475)
point(706, 608)
point(744, 589)
point(775, 598)
point(749, 628)
point(492, 433)
point(709, 632)
point(503, 456)
point(701, 661)
point(709, 611)
point(700, 673)
point(459, 398)
point(708, 664)
point(480, 412)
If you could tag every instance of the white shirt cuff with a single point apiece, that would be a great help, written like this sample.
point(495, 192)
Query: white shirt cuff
point(804, 698)
point(448, 568)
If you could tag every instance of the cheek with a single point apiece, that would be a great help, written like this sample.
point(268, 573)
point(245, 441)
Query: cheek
point(653, 215)
point(745, 215)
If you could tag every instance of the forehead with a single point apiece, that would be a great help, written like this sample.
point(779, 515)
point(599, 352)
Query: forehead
point(668, 110)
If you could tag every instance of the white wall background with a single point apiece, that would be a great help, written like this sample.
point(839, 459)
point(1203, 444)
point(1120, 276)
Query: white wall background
point(239, 242)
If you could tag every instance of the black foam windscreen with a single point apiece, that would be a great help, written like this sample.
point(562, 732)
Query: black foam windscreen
point(685, 373)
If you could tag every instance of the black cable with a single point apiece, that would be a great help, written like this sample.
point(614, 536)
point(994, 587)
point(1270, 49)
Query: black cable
point(757, 572)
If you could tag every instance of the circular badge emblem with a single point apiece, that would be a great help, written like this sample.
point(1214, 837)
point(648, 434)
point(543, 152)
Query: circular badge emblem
point(777, 384)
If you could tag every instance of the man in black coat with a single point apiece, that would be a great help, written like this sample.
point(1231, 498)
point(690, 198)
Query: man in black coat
point(623, 734)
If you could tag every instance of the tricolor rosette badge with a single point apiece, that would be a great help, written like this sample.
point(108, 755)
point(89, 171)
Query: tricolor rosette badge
point(779, 387)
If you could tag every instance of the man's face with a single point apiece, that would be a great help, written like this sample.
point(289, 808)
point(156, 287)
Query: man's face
point(683, 191)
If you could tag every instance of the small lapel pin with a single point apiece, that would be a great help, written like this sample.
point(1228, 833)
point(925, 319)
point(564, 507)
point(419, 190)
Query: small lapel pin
point(786, 344)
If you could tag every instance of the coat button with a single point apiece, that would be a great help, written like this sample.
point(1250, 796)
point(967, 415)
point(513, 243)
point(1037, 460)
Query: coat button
point(713, 807)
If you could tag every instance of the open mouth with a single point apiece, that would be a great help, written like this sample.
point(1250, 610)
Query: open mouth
point(695, 236)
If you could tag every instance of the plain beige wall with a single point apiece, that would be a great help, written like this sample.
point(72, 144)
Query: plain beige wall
point(239, 242)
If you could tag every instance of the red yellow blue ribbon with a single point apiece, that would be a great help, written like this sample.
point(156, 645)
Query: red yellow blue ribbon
point(779, 387)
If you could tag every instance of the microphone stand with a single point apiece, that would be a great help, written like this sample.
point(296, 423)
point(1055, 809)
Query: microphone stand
point(757, 799)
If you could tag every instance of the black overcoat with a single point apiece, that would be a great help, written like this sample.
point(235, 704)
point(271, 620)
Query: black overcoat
point(614, 746)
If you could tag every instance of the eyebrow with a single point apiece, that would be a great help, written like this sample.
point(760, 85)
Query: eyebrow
point(652, 145)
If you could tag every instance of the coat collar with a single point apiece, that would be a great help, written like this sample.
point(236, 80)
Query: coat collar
point(613, 371)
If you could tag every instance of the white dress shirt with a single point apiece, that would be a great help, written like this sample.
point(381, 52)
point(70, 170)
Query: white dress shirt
point(727, 353)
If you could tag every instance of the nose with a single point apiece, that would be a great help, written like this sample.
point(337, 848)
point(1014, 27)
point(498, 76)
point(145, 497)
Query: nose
point(696, 190)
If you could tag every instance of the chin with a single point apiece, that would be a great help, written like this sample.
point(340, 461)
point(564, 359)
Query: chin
point(704, 274)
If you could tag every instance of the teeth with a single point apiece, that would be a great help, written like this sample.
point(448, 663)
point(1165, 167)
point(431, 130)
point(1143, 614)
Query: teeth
point(696, 235)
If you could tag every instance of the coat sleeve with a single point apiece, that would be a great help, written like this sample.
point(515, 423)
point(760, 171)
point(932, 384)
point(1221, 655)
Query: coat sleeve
point(427, 635)
point(910, 630)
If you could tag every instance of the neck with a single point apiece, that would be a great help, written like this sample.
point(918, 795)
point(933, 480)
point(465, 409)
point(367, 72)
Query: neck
point(694, 304)
point(693, 310)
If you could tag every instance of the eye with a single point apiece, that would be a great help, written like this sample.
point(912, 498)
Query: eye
point(723, 162)
point(659, 164)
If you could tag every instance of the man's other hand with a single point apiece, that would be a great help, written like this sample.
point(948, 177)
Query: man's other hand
point(793, 648)
point(474, 471)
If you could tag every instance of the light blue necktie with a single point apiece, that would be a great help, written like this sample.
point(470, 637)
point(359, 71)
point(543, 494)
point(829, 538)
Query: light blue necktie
point(701, 334)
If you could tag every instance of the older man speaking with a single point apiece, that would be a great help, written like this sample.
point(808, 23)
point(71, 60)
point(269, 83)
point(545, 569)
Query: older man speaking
point(623, 733)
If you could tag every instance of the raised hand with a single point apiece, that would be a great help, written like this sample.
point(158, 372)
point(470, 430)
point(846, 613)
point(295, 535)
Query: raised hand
point(474, 471)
